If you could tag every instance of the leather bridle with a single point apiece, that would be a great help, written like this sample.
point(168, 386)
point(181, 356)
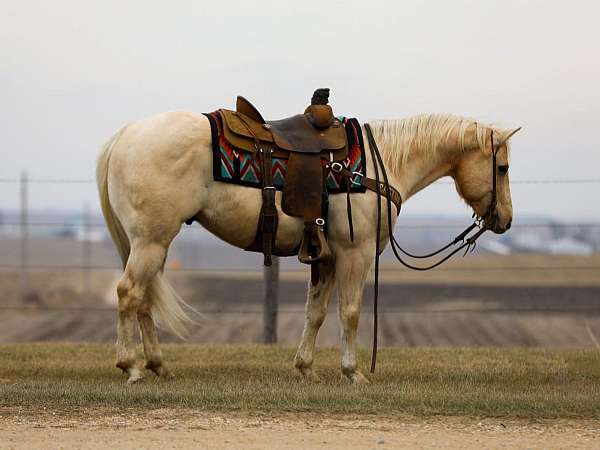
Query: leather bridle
point(482, 224)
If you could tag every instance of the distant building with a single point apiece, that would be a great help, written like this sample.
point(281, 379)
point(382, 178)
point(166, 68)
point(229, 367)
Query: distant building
point(569, 246)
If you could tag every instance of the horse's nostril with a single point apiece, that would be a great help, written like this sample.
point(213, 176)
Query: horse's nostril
point(509, 224)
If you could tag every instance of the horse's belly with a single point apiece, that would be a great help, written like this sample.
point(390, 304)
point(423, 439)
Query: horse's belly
point(232, 214)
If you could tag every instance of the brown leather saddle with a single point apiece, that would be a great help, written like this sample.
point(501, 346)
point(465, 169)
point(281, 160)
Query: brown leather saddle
point(304, 140)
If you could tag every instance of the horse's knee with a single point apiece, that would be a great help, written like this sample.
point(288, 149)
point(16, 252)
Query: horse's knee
point(316, 315)
point(350, 315)
point(317, 321)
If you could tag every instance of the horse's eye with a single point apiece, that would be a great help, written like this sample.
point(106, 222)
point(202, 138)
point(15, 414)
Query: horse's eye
point(503, 169)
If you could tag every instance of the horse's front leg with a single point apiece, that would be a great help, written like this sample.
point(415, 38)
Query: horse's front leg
point(316, 309)
point(352, 267)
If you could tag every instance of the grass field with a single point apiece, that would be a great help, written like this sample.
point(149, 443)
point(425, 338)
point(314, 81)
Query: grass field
point(529, 383)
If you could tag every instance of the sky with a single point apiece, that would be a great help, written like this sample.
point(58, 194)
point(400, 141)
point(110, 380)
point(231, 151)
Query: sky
point(72, 72)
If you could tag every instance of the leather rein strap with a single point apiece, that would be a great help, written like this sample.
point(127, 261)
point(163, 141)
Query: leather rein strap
point(468, 242)
point(390, 192)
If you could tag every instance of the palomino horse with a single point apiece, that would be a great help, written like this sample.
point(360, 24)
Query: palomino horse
point(157, 173)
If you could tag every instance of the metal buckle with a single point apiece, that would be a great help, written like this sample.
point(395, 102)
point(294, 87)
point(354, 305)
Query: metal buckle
point(269, 187)
point(336, 167)
point(320, 222)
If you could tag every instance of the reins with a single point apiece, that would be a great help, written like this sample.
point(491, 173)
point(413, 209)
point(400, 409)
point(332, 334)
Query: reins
point(468, 242)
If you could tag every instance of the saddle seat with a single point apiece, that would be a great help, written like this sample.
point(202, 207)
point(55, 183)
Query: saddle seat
point(247, 130)
point(305, 140)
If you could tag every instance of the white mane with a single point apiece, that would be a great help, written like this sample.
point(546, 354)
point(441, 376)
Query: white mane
point(424, 133)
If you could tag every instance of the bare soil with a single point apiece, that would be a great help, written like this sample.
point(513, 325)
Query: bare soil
point(188, 428)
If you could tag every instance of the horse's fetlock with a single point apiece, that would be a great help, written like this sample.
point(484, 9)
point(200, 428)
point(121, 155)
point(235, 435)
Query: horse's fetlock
point(160, 370)
point(125, 365)
point(348, 369)
point(301, 362)
point(154, 365)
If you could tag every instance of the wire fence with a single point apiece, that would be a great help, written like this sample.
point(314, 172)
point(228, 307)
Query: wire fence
point(86, 223)
point(86, 267)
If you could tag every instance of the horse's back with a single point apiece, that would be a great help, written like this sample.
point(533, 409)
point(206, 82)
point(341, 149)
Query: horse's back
point(170, 132)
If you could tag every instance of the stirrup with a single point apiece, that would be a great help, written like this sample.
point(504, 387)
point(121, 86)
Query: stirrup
point(314, 239)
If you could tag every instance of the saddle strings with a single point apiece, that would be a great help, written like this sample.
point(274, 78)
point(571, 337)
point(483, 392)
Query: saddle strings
point(468, 242)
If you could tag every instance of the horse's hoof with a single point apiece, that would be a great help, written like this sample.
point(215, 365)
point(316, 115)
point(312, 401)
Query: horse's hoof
point(358, 378)
point(164, 374)
point(161, 371)
point(135, 376)
point(310, 375)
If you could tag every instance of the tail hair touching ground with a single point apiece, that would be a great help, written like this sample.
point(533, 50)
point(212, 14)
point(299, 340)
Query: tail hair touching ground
point(168, 309)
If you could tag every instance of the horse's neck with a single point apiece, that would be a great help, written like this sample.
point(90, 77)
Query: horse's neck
point(420, 172)
point(424, 166)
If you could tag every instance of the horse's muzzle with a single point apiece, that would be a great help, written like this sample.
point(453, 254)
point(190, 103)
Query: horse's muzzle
point(498, 228)
point(493, 223)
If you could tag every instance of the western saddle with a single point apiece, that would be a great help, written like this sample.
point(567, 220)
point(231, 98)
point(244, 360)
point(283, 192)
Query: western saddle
point(304, 140)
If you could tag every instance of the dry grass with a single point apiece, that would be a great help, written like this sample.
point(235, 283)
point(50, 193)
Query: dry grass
point(476, 382)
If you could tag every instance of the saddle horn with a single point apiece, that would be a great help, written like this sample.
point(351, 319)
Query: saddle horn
point(319, 113)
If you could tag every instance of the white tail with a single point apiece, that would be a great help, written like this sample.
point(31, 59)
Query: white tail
point(167, 306)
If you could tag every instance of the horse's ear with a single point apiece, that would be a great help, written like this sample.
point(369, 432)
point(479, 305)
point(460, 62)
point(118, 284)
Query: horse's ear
point(509, 133)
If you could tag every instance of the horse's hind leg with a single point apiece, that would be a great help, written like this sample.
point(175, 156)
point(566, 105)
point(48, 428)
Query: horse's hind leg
point(152, 352)
point(316, 309)
point(144, 263)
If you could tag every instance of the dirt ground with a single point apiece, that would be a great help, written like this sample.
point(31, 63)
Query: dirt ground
point(181, 428)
